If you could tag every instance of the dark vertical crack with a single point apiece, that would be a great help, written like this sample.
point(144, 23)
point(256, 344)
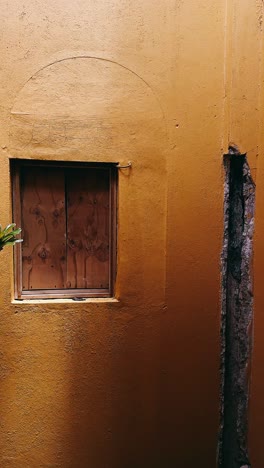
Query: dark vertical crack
point(237, 305)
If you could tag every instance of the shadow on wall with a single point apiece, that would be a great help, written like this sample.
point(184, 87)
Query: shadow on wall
point(114, 390)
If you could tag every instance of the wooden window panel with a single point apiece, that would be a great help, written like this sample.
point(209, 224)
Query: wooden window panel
point(44, 226)
point(88, 229)
point(68, 216)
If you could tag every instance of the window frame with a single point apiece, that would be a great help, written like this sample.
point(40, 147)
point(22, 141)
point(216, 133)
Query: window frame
point(67, 293)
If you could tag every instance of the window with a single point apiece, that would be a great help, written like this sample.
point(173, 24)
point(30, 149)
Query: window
point(68, 217)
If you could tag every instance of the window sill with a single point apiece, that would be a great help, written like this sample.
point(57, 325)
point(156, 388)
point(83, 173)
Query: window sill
point(97, 300)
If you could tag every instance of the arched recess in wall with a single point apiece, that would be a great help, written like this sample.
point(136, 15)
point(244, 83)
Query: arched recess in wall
point(92, 109)
point(80, 106)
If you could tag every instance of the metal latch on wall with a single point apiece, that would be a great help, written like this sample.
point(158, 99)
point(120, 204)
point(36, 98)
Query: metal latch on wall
point(127, 166)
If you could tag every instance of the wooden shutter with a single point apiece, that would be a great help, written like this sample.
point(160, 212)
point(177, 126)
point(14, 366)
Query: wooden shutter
point(67, 215)
point(88, 229)
point(44, 227)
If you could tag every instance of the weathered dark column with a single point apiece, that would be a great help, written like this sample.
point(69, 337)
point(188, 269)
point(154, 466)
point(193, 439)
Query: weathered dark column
point(237, 305)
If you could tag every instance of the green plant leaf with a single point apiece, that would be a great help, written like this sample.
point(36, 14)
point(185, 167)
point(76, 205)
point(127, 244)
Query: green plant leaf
point(9, 226)
point(8, 235)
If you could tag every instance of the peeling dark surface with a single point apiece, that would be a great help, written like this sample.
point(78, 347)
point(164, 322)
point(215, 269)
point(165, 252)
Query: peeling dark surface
point(237, 305)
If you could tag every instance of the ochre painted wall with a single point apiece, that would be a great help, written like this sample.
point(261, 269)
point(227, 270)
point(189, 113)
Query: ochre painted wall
point(131, 382)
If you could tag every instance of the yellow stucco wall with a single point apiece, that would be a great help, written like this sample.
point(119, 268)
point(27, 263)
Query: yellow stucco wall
point(167, 85)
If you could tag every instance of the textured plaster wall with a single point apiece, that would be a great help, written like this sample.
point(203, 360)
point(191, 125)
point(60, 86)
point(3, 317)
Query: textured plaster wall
point(132, 382)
